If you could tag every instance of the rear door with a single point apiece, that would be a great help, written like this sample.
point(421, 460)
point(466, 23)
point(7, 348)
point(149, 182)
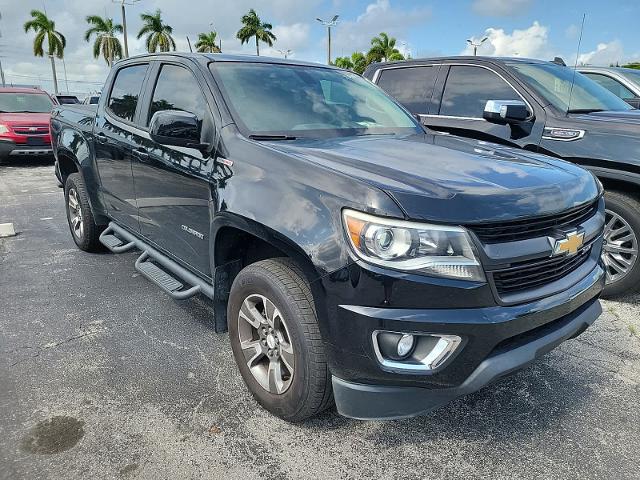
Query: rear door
point(113, 133)
point(172, 183)
point(461, 97)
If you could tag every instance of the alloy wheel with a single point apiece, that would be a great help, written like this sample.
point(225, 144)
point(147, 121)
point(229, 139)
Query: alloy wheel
point(266, 344)
point(620, 247)
point(75, 213)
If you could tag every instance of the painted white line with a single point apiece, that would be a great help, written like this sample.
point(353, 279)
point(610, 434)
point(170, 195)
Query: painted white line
point(47, 218)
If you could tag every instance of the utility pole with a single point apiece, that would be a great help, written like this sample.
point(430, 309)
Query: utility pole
point(329, 23)
point(124, 22)
point(476, 45)
point(286, 52)
point(66, 81)
point(211, 25)
point(1, 70)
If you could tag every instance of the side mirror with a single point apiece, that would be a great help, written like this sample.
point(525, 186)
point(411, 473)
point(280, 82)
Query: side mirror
point(505, 112)
point(175, 127)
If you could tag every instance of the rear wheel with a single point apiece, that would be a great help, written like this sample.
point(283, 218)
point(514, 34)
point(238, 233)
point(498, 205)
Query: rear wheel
point(83, 228)
point(620, 247)
point(276, 341)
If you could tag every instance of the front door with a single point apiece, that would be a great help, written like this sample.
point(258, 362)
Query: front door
point(113, 133)
point(172, 183)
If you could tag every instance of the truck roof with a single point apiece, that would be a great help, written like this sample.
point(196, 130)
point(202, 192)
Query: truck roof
point(21, 90)
point(223, 57)
point(474, 59)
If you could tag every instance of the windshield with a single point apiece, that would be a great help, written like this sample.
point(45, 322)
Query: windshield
point(25, 102)
point(553, 82)
point(301, 101)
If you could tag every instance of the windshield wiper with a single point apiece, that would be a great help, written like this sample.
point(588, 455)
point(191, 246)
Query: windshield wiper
point(272, 137)
point(586, 110)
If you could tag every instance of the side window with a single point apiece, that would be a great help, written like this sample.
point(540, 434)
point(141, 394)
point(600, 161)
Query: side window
point(412, 87)
point(612, 85)
point(468, 89)
point(177, 89)
point(126, 91)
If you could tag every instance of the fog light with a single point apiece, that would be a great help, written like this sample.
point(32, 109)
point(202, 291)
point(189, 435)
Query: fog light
point(405, 345)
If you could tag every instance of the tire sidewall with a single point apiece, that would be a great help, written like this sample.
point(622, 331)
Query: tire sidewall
point(622, 205)
point(256, 281)
point(73, 182)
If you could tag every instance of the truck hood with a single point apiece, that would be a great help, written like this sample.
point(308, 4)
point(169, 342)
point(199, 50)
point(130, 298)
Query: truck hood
point(624, 116)
point(443, 178)
point(25, 118)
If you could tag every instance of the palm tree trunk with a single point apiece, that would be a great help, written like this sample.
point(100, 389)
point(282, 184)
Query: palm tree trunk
point(257, 47)
point(55, 78)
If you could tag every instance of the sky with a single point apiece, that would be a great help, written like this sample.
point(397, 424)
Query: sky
point(527, 28)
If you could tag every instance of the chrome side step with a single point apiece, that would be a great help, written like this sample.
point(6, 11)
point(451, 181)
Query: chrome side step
point(171, 277)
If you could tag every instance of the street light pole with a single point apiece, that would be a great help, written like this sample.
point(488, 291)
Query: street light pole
point(329, 23)
point(211, 25)
point(476, 45)
point(286, 52)
point(124, 22)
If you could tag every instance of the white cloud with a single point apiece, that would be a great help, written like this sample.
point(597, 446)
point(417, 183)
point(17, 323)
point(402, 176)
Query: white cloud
point(500, 8)
point(530, 42)
point(604, 54)
point(378, 17)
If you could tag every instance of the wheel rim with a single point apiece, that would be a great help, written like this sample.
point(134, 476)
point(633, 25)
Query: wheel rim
point(75, 213)
point(266, 344)
point(620, 247)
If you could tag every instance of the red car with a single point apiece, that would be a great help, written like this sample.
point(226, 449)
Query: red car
point(24, 122)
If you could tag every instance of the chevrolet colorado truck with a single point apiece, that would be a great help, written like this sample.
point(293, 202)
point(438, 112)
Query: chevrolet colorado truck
point(543, 107)
point(351, 255)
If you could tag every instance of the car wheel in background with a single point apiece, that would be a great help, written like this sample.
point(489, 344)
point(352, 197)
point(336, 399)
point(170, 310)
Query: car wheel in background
point(276, 342)
point(620, 247)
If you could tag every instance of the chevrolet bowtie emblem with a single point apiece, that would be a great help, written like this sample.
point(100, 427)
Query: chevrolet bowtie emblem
point(569, 245)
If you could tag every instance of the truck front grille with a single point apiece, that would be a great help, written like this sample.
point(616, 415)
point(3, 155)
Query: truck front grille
point(530, 274)
point(499, 232)
point(31, 129)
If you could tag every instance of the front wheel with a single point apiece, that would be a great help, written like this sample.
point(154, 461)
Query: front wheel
point(276, 342)
point(620, 246)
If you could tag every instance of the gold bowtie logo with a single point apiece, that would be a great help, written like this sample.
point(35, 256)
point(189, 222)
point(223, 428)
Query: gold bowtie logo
point(569, 245)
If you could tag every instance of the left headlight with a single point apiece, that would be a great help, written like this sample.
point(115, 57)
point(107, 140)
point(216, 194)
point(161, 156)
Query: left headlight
point(4, 129)
point(439, 250)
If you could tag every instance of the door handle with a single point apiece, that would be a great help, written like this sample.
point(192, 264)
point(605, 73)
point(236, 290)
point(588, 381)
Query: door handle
point(101, 137)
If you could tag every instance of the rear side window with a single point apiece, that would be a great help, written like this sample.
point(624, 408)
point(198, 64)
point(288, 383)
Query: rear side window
point(468, 89)
point(610, 84)
point(412, 87)
point(126, 91)
point(177, 89)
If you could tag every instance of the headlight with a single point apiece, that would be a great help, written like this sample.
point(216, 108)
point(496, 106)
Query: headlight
point(4, 129)
point(443, 251)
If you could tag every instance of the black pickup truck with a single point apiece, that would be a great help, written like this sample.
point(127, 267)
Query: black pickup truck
point(543, 107)
point(351, 255)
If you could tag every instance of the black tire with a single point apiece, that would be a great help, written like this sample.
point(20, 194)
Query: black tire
point(628, 208)
point(87, 238)
point(283, 283)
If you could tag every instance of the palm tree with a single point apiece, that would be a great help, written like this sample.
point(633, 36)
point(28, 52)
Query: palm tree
point(343, 62)
point(253, 27)
point(383, 49)
point(45, 28)
point(106, 41)
point(158, 34)
point(207, 43)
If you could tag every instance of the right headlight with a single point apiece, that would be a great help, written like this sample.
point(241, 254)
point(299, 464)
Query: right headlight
point(439, 250)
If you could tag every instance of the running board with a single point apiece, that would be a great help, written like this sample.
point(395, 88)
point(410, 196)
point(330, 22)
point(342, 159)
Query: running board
point(167, 274)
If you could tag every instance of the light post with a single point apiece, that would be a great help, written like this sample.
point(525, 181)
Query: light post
point(286, 52)
point(124, 22)
point(211, 25)
point(476, 45)
point(329, 23)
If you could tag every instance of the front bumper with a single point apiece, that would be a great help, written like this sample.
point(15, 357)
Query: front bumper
point(8, 148)
point(496, 341)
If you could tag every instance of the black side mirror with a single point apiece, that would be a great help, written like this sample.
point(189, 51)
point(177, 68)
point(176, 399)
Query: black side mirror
point(505, 112)
point(175, 127)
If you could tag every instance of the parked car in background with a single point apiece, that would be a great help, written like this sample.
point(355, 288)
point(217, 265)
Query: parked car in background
point(542, 107)
point(91, 100)
point(350, 254)
point(66, 99)
point(24, 122)
point(622, 82)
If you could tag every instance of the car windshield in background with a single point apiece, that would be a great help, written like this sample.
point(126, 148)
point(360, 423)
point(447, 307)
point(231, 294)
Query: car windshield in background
point(25, 102)
point(553, 82)
point(301, 101)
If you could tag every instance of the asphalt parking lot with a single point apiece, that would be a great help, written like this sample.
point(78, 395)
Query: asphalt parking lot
point(104, 376)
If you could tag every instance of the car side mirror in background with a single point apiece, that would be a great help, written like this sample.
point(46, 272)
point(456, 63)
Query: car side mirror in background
point(505, 112)
point(177, 128)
